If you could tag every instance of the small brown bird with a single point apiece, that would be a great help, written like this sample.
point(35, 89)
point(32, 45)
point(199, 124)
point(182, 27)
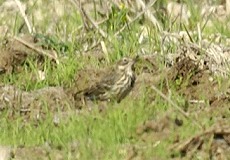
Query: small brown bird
point(115, 85)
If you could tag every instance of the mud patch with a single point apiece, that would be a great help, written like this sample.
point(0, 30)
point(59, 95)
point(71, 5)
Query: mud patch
point(33, 105)
point(17, 50)
point(157, 130)
point(204, 98)
point(217, 136)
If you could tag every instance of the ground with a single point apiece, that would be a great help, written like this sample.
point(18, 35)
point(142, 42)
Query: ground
point(178, 108)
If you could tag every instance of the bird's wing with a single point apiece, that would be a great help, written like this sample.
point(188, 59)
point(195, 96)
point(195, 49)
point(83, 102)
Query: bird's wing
point(100, 88)
point(110, 78)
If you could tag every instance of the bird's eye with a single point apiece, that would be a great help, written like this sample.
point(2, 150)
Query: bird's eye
point(125, 60)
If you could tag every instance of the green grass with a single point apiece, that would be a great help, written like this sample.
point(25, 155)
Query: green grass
point(99, 135)
point(105, 133)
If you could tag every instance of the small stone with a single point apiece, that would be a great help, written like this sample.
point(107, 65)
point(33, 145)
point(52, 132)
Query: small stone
point(5, 153)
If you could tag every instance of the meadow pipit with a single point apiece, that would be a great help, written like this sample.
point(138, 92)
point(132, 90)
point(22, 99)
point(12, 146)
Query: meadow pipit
point(116, 84)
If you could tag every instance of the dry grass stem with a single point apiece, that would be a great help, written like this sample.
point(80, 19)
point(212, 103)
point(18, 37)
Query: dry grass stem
point(31, 30)
point(39, 51)
point(186, 115)
point(137, 17)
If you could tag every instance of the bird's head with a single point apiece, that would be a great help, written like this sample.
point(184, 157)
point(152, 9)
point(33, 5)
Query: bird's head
point(126, 64)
